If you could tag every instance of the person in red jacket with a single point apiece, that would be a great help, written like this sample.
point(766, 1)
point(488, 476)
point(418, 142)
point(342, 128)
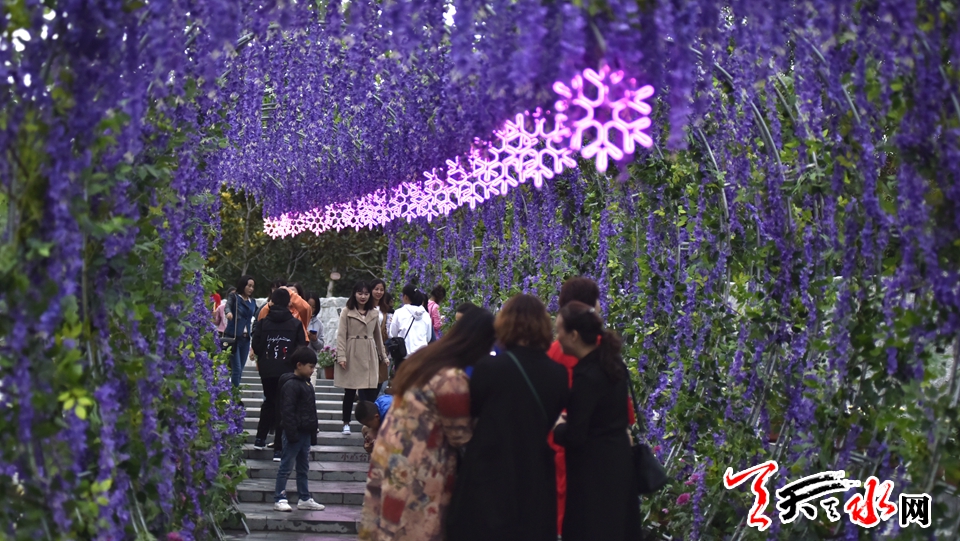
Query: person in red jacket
point(586, 291)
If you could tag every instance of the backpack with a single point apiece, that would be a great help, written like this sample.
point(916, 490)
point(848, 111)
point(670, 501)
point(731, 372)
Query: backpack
point(397, 347)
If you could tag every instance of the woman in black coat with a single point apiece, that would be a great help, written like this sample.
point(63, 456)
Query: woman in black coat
point(602, 500)
point(505, 488)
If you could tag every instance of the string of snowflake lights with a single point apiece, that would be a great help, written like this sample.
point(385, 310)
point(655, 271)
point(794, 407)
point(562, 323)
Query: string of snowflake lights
point(602, 108)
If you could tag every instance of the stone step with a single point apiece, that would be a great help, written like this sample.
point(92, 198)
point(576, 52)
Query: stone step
point(248, 393)
point(319, 471)
point(340, 519)
point(321, 404)
point(326, 425)
point(254, 377)
point(323, 438)
point(318, 453)
point(257, 387)
point(255, 381)
point(324, 414)
point(251, 371)
point(322, 395)
point(256, 402)
point(251, 368)
point(286, 536)
point(325, 492)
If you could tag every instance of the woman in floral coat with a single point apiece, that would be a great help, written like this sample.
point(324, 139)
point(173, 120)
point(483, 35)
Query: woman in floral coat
point(414, 461)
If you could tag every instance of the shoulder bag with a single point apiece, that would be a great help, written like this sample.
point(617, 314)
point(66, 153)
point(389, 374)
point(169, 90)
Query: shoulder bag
point(397, 347)
point(533, 390)
point(648, 473)
point(227, 340)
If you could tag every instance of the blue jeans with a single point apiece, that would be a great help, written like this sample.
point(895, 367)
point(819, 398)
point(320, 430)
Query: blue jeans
point(299, 451)
point(238, 358)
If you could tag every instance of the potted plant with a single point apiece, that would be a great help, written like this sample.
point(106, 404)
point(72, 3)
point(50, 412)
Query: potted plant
point(326, 359)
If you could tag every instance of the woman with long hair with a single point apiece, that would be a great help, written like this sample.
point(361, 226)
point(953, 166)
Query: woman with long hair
point(387, 311)
point(506, 489)
point(378, 290)
point(437, 295)
point(240, 310)
point(601, 496)
point(381, 300)
point(414, 460)
point(359, 350)
point(585, 290)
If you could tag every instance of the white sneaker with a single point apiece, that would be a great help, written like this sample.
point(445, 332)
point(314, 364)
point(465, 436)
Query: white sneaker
point(346, 429)
point(282, 505)
point(310, 505)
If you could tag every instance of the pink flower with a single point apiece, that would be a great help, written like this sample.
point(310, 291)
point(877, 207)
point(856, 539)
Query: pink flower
point(683, 498)
point(174, 536)
point(656, 449)
point(664, 510)
point(693, 479)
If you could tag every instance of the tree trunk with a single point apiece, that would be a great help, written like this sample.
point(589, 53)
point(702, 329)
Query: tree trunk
point(291, 268)
point(295, 258)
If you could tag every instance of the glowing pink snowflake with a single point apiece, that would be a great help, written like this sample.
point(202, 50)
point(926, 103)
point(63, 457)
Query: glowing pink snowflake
point(463, 184)
point(613, 119)
point(439, 195)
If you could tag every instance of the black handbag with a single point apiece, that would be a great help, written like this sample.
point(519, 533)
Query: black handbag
point(397, 347)
point(225, 340)
point(648, 473)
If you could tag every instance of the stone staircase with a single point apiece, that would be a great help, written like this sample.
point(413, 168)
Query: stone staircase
point(338, 473)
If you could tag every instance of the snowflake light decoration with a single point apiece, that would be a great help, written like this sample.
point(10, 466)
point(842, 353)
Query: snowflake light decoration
point(617, 115)
point(599, 114)
point(463, 182)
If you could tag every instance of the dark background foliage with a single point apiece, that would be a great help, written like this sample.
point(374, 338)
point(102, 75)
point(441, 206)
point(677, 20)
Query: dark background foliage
point(243, 248)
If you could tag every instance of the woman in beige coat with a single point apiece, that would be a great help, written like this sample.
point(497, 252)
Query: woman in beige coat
point(359, 350)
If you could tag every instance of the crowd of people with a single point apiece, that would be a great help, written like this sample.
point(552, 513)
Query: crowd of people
point(267, 335)
point(501, 431)
point(508, 427)
point(236, 313)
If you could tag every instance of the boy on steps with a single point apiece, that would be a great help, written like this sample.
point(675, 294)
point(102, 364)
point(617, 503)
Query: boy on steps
point(298, 421)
